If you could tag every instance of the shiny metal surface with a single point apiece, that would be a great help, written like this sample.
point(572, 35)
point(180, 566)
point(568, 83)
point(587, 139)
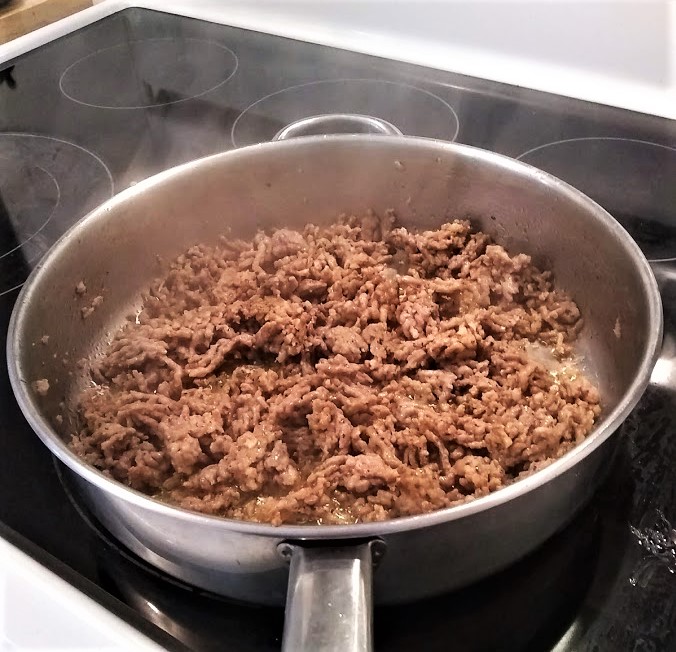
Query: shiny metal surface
point(337, 123)
point(328, 604)
point(315, 179)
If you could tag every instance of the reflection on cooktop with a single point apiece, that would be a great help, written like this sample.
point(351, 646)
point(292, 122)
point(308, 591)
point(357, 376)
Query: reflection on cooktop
point(147, 73)
point(414, 111)
point(29, 196)
point(41, 197)
point(632, 179)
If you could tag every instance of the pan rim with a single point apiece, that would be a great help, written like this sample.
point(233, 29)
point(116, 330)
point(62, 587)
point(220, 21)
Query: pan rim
point(30, 408)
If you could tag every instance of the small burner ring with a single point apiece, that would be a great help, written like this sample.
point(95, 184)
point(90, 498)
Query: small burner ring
point(412, 110)
point(632, 179)
point(148, 73)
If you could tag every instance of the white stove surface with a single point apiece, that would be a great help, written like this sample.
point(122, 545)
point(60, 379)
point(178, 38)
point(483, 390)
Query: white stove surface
point(620, 54)
point(617, 53)
point(40, 612)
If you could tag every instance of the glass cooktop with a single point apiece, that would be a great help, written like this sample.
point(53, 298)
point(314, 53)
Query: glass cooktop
point(94, 112)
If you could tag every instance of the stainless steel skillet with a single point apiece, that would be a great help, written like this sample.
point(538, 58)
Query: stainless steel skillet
point(121, 246)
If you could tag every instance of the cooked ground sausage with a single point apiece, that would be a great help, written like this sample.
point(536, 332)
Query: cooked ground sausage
point(351, 373)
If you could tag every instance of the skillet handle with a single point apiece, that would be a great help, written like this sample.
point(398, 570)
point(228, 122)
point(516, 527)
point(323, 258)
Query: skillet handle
point(329, 602)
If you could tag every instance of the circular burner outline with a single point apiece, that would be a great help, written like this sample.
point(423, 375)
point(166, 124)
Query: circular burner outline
point(586, 138)
point(148, 106)
point(49, 217)
point(8, 290)
point(347, 79)
point(603, 138)
point(20, 134)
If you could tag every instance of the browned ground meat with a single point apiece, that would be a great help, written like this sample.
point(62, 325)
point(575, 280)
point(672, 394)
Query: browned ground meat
point(342, 374)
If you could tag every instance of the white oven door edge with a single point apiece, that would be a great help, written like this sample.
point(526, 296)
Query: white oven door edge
point(41, 611)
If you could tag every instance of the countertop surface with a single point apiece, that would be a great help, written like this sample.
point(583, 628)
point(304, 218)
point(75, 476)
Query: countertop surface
point(19, 17)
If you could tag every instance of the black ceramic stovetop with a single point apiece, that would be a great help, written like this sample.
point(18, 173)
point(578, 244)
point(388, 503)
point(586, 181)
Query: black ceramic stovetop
point(91, 113)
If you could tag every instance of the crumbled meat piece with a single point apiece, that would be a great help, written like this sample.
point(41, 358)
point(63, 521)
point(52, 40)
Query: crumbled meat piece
point(352, 373)
point(44, 339)
point(80, 288)
point(87, 311)
point(41, 386)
